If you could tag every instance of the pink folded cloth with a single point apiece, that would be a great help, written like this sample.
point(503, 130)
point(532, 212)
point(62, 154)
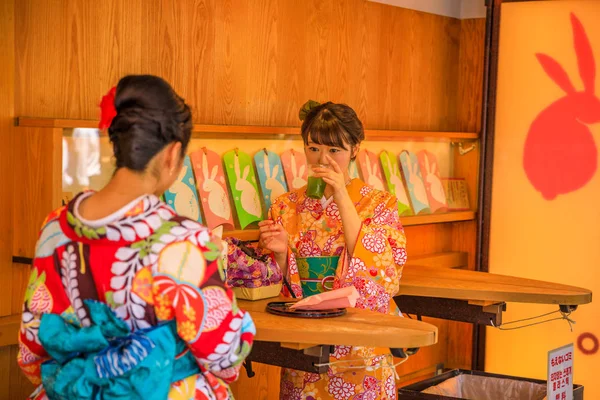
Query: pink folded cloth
point(339, 298)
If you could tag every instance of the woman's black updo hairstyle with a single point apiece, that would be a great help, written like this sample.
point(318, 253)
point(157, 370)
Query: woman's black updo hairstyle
point(150, 115)
point(331, 124)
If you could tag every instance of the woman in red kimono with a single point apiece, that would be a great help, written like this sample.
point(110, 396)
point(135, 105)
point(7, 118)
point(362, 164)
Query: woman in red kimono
point(353, 225)
point(126, 298)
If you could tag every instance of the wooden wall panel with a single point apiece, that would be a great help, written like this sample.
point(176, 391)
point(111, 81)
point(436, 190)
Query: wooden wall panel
point(37, 183)
point(7, 78)
point(427, 239)
point(470, 101)
point(470, 74)
point(20, 279)
point(242, 62)
point(69, 53)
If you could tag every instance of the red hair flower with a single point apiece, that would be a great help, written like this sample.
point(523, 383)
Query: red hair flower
point(107, 109)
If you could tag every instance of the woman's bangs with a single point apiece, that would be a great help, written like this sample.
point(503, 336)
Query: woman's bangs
point(332, 135)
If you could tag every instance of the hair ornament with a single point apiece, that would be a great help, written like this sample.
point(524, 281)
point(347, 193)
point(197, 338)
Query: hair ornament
point(306, 107)
point(107, 109)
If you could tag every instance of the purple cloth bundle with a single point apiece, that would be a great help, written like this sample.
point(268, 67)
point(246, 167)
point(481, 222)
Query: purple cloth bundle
point(249, 266)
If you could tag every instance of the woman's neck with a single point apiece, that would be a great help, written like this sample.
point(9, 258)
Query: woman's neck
point(124, 187)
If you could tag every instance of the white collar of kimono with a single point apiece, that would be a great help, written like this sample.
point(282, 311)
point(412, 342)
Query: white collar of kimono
point(97, 223)
point(325, 202)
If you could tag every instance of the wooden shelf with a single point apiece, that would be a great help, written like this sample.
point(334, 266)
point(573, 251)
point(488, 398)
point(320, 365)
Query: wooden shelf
point(438, 218)
point(252, 234)
point(256, 132)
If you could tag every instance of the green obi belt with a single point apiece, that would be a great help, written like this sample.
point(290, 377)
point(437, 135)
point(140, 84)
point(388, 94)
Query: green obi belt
point(316, 273)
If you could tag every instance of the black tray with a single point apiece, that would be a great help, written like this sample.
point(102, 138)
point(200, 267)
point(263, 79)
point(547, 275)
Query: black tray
point(282, 308)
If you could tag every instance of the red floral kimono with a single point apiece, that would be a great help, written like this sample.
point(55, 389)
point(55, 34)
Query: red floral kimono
point(149, 265)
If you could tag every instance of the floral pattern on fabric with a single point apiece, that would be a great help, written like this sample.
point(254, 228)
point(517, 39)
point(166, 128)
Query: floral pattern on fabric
point(161, 267)
point(374, 268)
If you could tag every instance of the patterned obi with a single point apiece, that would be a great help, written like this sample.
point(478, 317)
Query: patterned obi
point(317, 273)
point(107, 361)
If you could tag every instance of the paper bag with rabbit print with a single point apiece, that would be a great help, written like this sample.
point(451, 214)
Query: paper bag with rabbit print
point(353, 170)
point(212, 188)
point(270, 176)
point(394, 182)
point(295, 168)
point(368, 165)
point(242, 182)
point(182, 196)
point(433, 181)
point(414, 182)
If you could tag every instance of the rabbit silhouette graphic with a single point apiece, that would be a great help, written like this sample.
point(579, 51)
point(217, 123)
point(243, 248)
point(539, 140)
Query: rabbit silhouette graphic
point(433, 181)
point(218, 201)
point(373, 175)
point(352, 169)
point(185, 201)
point(249, 196)
point(294, 167)
point(397, 187)
point(272, 183)
point(298, 180)
point(416, 182)
point(560, 154)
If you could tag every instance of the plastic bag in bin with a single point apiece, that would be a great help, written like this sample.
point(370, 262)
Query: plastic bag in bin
point(477, 387)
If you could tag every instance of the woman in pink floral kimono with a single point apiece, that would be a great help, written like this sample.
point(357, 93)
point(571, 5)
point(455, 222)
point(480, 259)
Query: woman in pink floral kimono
point(126, 298)
point(354, 222)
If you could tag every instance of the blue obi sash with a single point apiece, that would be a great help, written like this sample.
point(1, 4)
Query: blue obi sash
point(107, 361)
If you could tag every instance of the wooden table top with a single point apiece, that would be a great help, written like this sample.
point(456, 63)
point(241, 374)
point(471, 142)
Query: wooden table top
point(482, 286)
point(357, 328)
point(365, 328)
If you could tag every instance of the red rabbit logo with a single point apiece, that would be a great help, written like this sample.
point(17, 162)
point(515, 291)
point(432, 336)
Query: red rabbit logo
point(560, 154)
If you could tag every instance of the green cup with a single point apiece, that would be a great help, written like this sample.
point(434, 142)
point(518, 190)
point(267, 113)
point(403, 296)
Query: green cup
point(317, 274)
point(316, 186)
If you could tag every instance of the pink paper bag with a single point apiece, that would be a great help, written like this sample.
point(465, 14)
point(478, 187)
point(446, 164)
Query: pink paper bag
point(340, 298)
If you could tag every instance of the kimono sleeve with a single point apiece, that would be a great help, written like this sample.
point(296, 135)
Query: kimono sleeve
point(44, 294)
point(276, 213)
point(31, 353)
point(190, 288)
point(375, 266)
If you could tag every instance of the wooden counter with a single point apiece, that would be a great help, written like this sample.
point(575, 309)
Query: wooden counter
point(357, 327)
point(305, 344)
point(427, 281)
point(421, 281)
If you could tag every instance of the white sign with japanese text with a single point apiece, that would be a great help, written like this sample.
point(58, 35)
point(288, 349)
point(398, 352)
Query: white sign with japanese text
point(560, 373)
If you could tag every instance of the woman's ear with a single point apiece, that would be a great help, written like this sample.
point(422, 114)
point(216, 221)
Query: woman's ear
point(355, 151)
point(173, 157)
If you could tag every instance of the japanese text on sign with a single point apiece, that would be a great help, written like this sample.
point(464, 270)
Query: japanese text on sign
point(560, 373)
